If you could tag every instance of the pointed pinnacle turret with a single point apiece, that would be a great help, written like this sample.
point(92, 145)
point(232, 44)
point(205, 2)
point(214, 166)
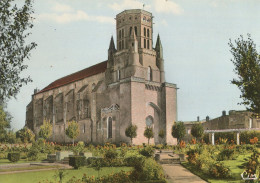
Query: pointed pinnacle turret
point(133, 35)
point(158, 47)
point(112, 44)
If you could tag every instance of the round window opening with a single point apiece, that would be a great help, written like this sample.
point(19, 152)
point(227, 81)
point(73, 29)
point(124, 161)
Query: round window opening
point(149, 121)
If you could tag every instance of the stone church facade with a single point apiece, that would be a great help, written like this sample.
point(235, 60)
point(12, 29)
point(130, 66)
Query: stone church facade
point(128, 88)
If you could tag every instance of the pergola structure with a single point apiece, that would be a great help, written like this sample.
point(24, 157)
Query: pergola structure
point(212, 132)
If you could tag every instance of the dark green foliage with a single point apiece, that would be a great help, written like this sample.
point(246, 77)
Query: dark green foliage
point(253, 164)
point(13, 156)
point(219, 170)
point(247, 67)
point(131, 132)
point(148, 133)
point(178, 131)
point(135, 161)
point(110, 154)
point(205, 138)
point(226, 154)
point(14, 25)
point(26, 135)
point(161, 134)
point(5, 119)
point(230, 136)
point(33, 153)
point(77, 161)
point(147, 151)
point(197, 130)
point(247, 135)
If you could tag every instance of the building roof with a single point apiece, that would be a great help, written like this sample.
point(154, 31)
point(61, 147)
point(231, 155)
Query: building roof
point(90, 71)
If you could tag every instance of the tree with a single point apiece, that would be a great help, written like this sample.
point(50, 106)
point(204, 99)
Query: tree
point(72, 131)
point(197, 130)
point(148, 133)
point(161, 134)
point(26, 135)
point(5, 120)
point(247, 67)
point(14, 25)
point(131, 132)
point(45, 130)
point(178, 130)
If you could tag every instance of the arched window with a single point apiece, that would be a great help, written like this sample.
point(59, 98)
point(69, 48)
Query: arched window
point(144, 32)
point(135, 30)
point(148, 33)
point(149, 74)
point(148, 44)
point(86, 108)
point(144, 43)
point(149, 121)
point(119, 34)
point(123, 46)
point(109, 128)
point(130, 31)
point(123, 33)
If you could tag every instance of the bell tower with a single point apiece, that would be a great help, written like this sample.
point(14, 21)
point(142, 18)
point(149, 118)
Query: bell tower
point(133, 54)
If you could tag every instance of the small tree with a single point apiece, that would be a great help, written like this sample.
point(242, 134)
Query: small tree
point(72, 131)
point(131, 132)
point(45, 130)
point(148, 133)
point(178, 130)
point(26, 135)
point(197, 130)
point(161, 134)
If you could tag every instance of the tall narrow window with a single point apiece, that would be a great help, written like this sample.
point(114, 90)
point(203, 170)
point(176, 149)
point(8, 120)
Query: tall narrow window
point(119, 34)
point(144, 32)
point(123, 45)
point(148, 44)
point(109, 128)
point(130, 31)
point(144, 43)
point(135, 30)
point(120, 45)
point(123, 33)
point(149, 74)
point(118, 75)
point(148, 33)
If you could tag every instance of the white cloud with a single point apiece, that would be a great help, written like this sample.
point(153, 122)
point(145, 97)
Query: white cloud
point(74, 17)
point(129, 4)
point(62, 8)
point(167, 6)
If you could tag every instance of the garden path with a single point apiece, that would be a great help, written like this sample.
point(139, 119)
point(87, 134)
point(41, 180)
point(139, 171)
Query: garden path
point(178, 174)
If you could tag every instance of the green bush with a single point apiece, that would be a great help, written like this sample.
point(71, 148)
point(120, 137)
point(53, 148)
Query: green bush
point(147, 151)
point(13, 156)
point(135, 161)
point(33, 153)
point(230, 136)
point(77, 161)
point(226, 154)
point(218, 170)
point(110, 154)
point(247, 135)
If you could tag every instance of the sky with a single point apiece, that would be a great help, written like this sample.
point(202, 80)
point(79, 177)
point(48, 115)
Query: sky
point(73, 35)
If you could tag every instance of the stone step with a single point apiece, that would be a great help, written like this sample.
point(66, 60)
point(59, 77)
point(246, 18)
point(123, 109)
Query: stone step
point(170, 161)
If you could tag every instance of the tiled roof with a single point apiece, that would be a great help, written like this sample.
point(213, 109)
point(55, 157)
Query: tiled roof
point(90, 71)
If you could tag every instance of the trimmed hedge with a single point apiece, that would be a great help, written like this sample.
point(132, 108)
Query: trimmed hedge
point(13, 157)
point(77, 161)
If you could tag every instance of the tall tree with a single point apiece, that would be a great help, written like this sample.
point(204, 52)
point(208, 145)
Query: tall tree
point(148, 133)
point(14, 28)
point(72, 131)
point(178, 130)
point(26, 135)
point(197, 130)
point(4, 122)
point(45, 130)
point(131, 132)
point(247, 67)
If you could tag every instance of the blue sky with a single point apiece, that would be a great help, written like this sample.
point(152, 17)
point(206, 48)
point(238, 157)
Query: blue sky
point(72, 35)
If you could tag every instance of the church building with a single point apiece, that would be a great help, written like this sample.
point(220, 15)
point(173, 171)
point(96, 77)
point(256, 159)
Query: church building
point(128, 88)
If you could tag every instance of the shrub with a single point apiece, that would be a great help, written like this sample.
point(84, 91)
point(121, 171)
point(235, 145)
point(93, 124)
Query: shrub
point(33, 153)
point(13, 156)
point(149, 171)
point(110, 154)
point(147, 151)
point(226, 135)
point(247, 135)
point(218, 170)
point(77, 161)
point(193, 156)
point(226, 154)
point(135, 161)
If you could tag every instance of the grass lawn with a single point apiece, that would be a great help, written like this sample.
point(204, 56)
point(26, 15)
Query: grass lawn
point(35, 177)
point(6, 161)
point(236, 167)
point(28, 168)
